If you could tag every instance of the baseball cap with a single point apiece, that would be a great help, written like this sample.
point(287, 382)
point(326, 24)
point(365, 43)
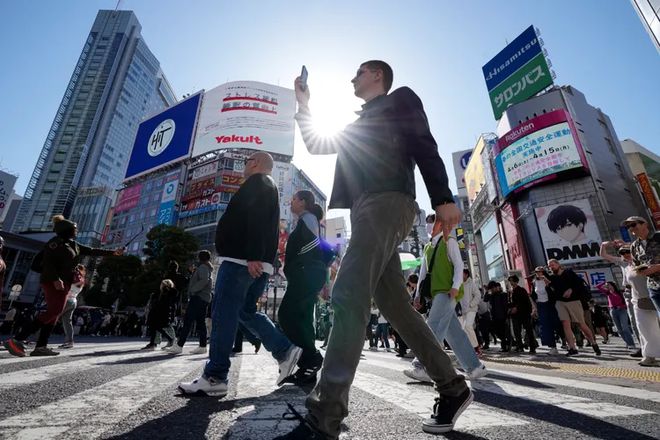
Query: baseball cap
point(633, 219)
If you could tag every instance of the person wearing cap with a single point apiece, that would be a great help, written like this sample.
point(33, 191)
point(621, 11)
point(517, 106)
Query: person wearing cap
point(520, 310)
point(499, 305)
point(645, 252)
point(60, 257)
point(644, 310)
point(547, 312)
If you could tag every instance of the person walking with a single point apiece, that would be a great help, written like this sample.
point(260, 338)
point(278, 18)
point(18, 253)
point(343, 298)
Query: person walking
point(645, 251)
point(70, 307)
point(162, 307)
point(498, 301)
point(374, 178)
point(549, 323)
point(568, 288)
point(442, 262)
point(246, 242)
point(520, 310)
point(57, 264)
point(469, 306)
point(200, 288)
point(306, 273)
point(617, 305)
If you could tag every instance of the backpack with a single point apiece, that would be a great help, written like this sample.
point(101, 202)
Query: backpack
point(328, 255)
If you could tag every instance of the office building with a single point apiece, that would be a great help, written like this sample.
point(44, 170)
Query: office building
point(116, 82)
point(649, 13)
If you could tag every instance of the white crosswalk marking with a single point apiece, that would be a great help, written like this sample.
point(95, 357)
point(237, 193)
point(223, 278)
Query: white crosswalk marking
point(8, 359)
point(260, 404)
point(90, 413)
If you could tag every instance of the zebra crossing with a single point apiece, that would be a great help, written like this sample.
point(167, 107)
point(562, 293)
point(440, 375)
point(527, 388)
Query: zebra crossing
point(140, 400)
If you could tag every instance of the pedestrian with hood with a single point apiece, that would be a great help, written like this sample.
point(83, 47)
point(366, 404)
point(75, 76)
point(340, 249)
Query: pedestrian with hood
point(57, 263)
point(162, 308)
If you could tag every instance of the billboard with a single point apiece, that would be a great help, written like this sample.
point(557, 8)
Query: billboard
point(478, 171)
point(569, 231)
point(517, 72)
point(7, 182)
point(594, 277)
point(166, 211)
point(537, 150)
point(165, 138)
point(648, 192)
point(246, 114)
point(128, 198)
point(461, 159)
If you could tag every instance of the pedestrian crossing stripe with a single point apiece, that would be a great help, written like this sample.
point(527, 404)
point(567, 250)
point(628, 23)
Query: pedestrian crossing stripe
point(95, 411)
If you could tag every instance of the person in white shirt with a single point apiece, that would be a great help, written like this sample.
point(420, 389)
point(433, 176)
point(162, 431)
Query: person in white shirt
point(547, 312)
point(71, 304)
point(469, 305)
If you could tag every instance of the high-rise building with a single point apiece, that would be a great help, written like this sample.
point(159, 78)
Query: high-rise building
point(116, 82)
point(649, 13)
point(645, 166)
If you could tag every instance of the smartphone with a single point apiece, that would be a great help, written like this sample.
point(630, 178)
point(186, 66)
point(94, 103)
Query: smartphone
point(303, 77)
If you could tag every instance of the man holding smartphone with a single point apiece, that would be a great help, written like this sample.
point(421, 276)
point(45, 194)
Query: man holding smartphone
point(374, 178)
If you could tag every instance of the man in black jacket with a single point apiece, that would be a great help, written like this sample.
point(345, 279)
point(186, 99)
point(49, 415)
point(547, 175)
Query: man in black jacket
point(520, 310)
point(374, 178)
point(246, 242)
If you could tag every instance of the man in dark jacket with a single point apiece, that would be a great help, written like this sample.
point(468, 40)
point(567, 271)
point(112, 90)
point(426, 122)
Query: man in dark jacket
point(520, 310)
point(58, 264)
point(200, 289)
point(374, 178)
point(499, 313)
point(246, 242)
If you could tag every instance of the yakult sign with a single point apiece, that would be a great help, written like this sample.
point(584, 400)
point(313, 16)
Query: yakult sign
point(246, 114)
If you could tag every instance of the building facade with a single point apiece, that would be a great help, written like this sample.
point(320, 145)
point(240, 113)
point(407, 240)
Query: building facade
point(116, 82)
point(563, 186)
point(645, 166)
point(649, 13)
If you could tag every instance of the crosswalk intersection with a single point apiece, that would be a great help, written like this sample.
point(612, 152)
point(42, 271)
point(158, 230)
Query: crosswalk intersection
point(115, 390)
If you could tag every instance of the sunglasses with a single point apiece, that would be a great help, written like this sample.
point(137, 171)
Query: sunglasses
point(632, 225)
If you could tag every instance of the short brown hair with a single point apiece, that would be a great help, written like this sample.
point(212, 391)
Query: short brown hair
point(388, 73)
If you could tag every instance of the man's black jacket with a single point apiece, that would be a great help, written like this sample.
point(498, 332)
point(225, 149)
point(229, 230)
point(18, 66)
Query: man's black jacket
point(378, 152)
point(249, 228)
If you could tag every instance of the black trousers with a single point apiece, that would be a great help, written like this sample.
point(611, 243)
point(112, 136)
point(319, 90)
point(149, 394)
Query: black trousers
point(500, 328)
point(296, 313)
point(520, 323)
point(484, 329)
point(196, 313)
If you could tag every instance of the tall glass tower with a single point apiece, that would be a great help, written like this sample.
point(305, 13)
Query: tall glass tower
point(115, 84)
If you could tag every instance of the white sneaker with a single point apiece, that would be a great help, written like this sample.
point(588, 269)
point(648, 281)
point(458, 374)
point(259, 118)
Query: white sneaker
point(200, 350)
point(553, 351)
point(373, 348)
point(289, 363)
point(174, 349)
point(418, 374)
point(204, 386)
point(389, 350)
point(477, 373)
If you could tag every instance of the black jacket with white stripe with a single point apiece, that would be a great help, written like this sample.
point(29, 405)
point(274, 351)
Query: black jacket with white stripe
point(302, 248)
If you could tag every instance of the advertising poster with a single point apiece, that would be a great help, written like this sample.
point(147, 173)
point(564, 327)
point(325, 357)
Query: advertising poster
point(594, 277)
point(538, 149)
point(128, 198)
point(164, 138)
point(7, 182)
point(246, 114)
point(166, 211)
point(569, 231)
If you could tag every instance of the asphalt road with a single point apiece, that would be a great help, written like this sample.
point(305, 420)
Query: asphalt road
point(110, 389)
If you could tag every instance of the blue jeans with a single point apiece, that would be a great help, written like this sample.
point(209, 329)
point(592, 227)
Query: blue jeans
point(236, 294)
point(549, 323)
point(620, 318)
point(445, 325)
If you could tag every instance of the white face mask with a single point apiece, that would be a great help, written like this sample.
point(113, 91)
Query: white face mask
point(429, 228)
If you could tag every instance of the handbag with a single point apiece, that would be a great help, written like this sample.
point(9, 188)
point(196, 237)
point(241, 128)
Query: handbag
point(645, 304)
point(425, 284)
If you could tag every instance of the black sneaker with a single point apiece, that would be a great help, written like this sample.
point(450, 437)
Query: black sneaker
point(572, 352)
point(637, 354)
point(445, 412)
point(304, 431)
point(596, 349)
point(43, 351)
point(257, 347)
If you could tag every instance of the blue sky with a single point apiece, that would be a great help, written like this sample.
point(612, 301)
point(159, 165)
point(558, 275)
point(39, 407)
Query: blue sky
point(435, 47)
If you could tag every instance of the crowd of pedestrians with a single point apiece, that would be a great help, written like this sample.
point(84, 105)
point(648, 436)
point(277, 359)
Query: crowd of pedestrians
point(442, 307)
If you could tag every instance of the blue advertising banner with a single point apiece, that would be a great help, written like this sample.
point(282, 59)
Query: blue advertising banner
point(166, 211)
point(164, 138)
point(515, 55)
